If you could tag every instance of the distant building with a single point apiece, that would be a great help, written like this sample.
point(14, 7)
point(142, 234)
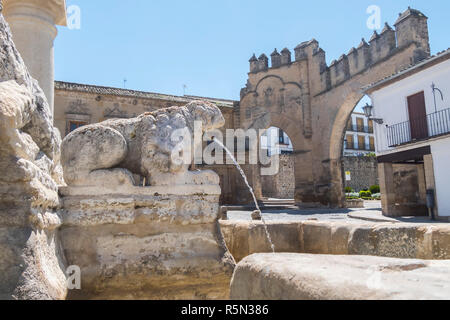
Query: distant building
point(276, 141)
point(413, 144)
point(359, 138)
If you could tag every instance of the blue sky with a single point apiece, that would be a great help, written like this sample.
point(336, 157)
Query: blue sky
point(160, 45)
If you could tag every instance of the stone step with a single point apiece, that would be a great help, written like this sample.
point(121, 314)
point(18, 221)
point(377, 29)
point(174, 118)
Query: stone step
point(337, 277)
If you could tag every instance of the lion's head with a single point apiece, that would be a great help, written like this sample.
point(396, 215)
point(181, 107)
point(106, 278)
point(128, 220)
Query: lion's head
point(208, 113)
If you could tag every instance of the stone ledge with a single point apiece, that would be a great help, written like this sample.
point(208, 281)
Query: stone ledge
point(327, 277)
point(130, 209)
point(399, 240)
point(143, 191)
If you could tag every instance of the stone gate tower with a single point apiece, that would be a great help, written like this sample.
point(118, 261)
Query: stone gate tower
point(312, 101)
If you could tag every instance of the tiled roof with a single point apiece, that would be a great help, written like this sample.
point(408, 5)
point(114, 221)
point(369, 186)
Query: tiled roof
point(100, 90)
point(443, 55)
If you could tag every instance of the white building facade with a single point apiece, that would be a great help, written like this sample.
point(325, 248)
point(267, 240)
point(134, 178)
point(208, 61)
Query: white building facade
point(276, 141)
point(359, 137)
point(413, 143)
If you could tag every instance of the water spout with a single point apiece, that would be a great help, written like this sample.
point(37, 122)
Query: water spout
point(249, 188)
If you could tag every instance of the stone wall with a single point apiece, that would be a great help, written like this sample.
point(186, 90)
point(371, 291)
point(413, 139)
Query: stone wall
point(364, 172)
point(410, 195)
point(282, 185)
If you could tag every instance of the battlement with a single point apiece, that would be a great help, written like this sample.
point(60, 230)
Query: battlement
point(410, 28)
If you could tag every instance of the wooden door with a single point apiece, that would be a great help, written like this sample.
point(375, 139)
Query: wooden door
point(360, 124)
point(418, 116)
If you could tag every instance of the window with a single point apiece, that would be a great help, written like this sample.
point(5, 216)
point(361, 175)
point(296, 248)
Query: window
point(361, 142)
point(349, 125)
point(73, 125)
point(370, 126)
point(75, 121)
point(350, 143)
point(372, 143)
point(281, 136)
point(360, 124)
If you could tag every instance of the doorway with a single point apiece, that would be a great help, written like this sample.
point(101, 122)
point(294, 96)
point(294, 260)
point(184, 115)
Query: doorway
point(418, 116)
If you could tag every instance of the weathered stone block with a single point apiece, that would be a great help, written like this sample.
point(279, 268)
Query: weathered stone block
point(31, 262)
point(330, 277)
point(150, 243)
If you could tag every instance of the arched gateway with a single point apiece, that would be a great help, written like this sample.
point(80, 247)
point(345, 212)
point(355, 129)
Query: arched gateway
point(312, 102)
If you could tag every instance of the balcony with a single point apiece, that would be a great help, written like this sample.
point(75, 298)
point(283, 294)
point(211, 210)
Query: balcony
point(360, 129)
point(356, 147)
point(433, 125)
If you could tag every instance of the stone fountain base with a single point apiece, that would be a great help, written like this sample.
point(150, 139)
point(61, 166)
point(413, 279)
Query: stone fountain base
point(146, 243)
point(289, 276)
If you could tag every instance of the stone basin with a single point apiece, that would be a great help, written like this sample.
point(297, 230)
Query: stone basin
point(290, 276)
point(399, 240)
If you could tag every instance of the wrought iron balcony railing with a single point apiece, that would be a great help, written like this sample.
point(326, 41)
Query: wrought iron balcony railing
point(362, 129)
point(433, 125)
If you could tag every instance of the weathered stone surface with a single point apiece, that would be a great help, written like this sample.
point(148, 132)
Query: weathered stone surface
point(134, 241)
point(354, 203)
point(332, 277)
point(146, 246)
point(31, 263)
point(109, 153)
point(244, 238)
point(401, 240)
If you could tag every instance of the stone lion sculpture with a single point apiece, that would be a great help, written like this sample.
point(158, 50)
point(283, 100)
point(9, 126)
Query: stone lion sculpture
point(108, 154)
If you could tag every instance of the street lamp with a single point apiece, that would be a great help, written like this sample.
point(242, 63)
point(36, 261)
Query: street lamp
point(368, 112)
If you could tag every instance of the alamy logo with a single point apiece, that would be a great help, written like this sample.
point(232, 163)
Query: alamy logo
point(374, 20)
point(244, 143)
point(74, 17)
point(73, 274)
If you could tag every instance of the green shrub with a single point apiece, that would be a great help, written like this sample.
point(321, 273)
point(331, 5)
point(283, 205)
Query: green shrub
point(348, 190)
point(374, 189)
point(365, 194)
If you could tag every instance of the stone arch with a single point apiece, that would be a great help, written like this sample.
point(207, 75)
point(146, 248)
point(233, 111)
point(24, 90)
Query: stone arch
point(337, 194)
point(295, 133)
point(340, 123)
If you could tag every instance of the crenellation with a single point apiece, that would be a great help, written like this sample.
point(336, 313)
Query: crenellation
point(319, 66)
point(253, 64)
point(387, 41)
point(276, 59)
point(305, 49)
point(286, 56)
point(263, 63)
point(374, 47)
point(410, 28)
point(339, 70)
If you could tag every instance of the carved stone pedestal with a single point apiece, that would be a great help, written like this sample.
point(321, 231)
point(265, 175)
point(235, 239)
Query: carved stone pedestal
point(146, 243)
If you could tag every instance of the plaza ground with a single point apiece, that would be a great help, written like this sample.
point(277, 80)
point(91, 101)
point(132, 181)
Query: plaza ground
point(369, 214)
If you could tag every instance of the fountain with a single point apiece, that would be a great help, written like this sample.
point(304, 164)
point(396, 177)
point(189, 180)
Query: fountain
point(160, 241)
point(257, 214)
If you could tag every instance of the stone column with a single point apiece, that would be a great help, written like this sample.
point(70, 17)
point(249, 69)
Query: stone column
point(33, 25)
point(386, 176)
point(429, 178)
